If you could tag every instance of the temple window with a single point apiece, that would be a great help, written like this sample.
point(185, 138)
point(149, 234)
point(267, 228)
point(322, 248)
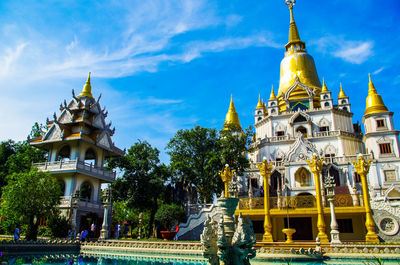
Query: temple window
point(272, 111)
point(345, 225)
point(259, 119)
point(327, 104)
point(385, 148)
point(259, 112)
point(344, 101)
point(345, 109)
point(380, 123)
point(326, 97)
point(280, 133)
point(390, 175)
point(86, 191)
point(272, 104)
point(324, 129)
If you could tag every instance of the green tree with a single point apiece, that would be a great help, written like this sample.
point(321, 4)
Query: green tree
point(143, 179)
point(198, 154)
point(37, 130)
point(29, 196)
point(169, 214)
point(17, 157)
point(195, 160)
point(234, 148)
point(7, 148)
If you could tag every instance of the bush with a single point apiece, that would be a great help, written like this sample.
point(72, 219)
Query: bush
point(44, 231)
point(59, 226)
point(168, 214)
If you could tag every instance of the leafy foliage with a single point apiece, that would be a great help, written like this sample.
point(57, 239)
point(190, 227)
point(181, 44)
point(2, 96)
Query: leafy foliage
point(198, 154)
point(195, 158)
point(58, 225)
point(143, 180)
point(29, 196)
point(168, 214)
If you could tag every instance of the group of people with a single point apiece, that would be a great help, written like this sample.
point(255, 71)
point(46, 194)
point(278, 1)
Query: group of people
point(118, 229)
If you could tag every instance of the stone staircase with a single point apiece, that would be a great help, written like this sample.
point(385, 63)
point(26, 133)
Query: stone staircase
point(192, 229)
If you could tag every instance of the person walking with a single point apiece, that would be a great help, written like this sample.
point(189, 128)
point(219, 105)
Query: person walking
point(17, 233)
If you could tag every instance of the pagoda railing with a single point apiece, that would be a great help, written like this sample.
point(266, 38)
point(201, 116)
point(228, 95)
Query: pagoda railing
point(77, 165)
point(328, 160)
point(291, 202)
point(314, 135)
point(66, 202)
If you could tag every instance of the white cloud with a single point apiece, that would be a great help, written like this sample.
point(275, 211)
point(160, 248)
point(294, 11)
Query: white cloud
point(355, 52)
point(378, 71)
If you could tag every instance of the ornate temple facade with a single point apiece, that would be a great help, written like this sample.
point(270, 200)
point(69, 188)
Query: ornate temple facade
point(302, 124)
point(78, 141)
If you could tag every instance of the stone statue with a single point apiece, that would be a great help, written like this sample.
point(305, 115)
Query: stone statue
point(226, 242)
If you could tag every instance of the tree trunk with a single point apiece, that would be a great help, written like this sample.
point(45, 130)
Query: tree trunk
point(152, 214)
point(31, 234)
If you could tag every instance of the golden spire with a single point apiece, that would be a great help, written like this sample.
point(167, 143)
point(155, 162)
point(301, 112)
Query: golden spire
point(324, 88)
point(272, 96)
point(232, 118)
point(341, 92)
point(259, 104)
point(297, 65)
point(87, 89)
point(374, 102)
point(294, 36)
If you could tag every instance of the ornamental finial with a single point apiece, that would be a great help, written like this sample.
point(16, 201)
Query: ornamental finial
point(290, 3)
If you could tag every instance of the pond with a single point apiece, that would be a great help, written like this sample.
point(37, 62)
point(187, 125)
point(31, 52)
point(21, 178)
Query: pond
point(98, 259)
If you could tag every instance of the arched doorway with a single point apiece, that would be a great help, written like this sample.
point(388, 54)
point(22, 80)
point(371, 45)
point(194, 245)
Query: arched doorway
point(86, 191)
point(275, 183)
point(90, 157)
point(86, 224)
point(302, 130)
point(64, 153)
point(61, 183)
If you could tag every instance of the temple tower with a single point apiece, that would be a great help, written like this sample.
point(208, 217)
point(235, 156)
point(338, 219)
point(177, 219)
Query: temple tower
point(78, 142)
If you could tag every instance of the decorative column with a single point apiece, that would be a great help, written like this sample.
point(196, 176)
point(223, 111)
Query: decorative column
point(265, 171)
point(316, 168)
point(140, 226)
point(226, 176)
point(330, 187)
point(106, 202)
point(75, 204)
point(362, 168)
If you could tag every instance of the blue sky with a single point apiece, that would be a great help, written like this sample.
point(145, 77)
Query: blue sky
point(166, 65)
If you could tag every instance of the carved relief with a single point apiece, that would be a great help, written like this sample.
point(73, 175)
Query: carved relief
point(301, 150)
point(388, 225)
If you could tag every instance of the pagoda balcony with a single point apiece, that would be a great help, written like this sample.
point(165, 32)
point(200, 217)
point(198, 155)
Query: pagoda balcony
point(77, 166)
point(325, 134)
point(66, 203)
point(292, 204)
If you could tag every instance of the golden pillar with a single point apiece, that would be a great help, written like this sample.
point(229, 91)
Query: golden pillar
point(316, 168)
point(362, 168)
point(265, 171)
point(226, 176)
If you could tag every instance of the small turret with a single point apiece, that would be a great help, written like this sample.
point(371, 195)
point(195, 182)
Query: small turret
point(273, 108)
point(374, 102)
point(259, 112)
point(87, 89)
point(232, 118)
point(343, 100)
point(326, 97)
